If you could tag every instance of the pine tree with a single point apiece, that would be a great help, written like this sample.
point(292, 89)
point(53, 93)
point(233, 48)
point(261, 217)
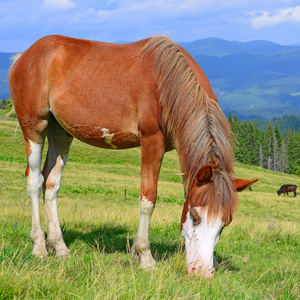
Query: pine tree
point(297, 153)
point(284, 156)
point(3, 104)
point(276, 163)
point(238, 133)
point(293, 153)
point(269, 146)
point(261, 155)
point(278, 135)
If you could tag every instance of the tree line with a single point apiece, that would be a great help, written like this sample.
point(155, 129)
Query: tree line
point(284, 122)
point(6, 104)
point(268, 148)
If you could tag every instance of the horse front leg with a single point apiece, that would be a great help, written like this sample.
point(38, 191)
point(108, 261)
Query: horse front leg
point(152, 149)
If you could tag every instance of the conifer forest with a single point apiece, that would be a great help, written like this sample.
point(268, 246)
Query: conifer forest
point(270, 148)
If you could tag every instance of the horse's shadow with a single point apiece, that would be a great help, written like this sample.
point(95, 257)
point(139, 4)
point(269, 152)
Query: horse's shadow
point(115, 238)
point(226, 263)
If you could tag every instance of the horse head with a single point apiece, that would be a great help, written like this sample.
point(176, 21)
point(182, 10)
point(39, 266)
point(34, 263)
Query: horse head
point(204, 216)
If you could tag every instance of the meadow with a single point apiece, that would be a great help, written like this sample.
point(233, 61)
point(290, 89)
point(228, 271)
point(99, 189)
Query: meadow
point(99, 211)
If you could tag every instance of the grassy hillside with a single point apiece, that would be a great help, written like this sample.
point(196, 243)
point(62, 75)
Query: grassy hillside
point(258, 252)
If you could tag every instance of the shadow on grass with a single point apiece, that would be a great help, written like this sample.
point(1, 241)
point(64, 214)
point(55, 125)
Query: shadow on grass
point(226, 263)
point(110, 238)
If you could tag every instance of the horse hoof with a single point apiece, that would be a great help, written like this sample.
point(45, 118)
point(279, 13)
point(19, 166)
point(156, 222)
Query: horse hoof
point(63, 254)
point(148, 263)
point(39, 252)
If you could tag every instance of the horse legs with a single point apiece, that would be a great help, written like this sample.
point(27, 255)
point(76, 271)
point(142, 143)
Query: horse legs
point(59, 145)
point(152, 149)
point(34, 144)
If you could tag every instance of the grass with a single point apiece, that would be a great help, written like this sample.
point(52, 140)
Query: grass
point(98, 205)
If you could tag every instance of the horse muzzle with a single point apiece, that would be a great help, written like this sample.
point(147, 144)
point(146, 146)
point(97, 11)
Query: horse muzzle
point(198, 269)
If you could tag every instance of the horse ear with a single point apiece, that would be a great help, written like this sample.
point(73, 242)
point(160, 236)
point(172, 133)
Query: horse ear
point(242, 184)
point(205, 174)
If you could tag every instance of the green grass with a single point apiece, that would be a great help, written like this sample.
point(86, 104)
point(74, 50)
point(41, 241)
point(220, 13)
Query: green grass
point(98, 205)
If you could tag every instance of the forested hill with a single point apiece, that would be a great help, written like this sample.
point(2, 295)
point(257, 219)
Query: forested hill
point(284, 123)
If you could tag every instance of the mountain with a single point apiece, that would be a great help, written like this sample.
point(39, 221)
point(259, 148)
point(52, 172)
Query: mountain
point(212, 47)
point(5, 62)
point(220, 47)
point(257, 79)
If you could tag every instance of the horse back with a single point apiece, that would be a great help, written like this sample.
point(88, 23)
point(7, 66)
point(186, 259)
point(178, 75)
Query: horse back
point(95, 90)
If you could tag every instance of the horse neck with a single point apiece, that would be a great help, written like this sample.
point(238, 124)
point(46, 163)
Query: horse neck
point(199, 130)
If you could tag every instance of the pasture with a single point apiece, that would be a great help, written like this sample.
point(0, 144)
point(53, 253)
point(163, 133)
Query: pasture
point(99, 211)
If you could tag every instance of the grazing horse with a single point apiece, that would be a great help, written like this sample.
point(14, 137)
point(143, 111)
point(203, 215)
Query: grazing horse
point(286, 188)
point(150, 93)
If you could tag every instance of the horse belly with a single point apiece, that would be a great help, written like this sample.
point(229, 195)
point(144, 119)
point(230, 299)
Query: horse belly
point(97, 127)
point(104, 138)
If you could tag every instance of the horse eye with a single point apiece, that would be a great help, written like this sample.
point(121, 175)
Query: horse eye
point(196, 222)
point(195, 217)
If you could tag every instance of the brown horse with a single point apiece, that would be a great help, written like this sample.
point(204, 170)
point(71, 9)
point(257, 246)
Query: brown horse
point(150, 94)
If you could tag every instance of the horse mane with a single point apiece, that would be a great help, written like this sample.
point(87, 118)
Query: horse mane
point(14, 59)
point(199, 130)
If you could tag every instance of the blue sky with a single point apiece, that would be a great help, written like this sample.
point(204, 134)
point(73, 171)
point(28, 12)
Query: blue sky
point(22, 22)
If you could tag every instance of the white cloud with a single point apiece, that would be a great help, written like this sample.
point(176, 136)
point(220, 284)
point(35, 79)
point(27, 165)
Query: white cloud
point(147, 9)
point(265, 18)
point(59, 4)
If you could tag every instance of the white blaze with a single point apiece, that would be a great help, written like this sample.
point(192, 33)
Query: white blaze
point(200, 242)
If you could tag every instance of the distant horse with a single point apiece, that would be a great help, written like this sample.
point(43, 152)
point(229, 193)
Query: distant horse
point(149, 93)
point(286, 188)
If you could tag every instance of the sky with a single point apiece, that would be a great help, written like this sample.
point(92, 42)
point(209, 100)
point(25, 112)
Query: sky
point(22, 22)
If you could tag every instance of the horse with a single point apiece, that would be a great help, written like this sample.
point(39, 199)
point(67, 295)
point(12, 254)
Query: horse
point(286, 188)
point(150, 93)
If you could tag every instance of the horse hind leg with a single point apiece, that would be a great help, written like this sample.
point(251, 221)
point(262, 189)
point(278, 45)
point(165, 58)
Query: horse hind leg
point(34, 144)
point(59, 145)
